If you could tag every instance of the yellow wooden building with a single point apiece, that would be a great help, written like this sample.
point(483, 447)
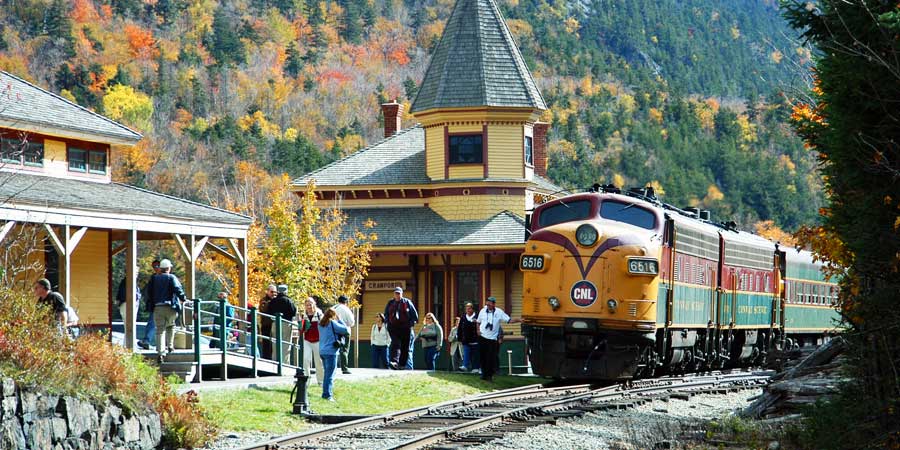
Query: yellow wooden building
point(449, 195)
point(59, 205)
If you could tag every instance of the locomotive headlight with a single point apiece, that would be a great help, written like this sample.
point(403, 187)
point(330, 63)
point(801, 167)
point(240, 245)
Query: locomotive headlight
point(643, 266)
point(554, 303)
point(612, 304)
point(586, 235)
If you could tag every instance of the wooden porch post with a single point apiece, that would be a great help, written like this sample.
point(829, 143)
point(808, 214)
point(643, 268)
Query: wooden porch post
point(130, 289)
point(239, 247)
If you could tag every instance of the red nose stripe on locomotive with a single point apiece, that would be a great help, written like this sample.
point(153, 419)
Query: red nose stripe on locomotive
point(564, 242)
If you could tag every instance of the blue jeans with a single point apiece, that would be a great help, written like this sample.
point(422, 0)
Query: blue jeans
point(431, 356)
point(329, 363)
point(412, 346)
point(470, 356)
point(379, 356)
point(150, 331)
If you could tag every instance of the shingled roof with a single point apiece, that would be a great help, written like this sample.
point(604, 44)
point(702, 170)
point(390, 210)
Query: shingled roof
point(423, 227)
point(39, 190)
point(26, 106)
point(397, 160)
point(477, 63)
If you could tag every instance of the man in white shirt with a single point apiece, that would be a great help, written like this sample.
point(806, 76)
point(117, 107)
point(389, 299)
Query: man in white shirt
point(346, 315)
point(489, 320)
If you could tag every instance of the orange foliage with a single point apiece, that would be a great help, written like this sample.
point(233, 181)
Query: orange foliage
point(140, 41)
point(399, 56)
point(338, 77)
point(83, 11)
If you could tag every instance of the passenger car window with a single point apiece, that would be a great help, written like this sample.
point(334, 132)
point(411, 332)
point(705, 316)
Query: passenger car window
point(628, 213)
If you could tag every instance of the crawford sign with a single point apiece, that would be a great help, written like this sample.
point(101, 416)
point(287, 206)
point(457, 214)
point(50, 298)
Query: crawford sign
point(384, 285)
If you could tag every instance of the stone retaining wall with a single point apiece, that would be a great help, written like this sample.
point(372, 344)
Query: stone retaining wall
point(30, 420)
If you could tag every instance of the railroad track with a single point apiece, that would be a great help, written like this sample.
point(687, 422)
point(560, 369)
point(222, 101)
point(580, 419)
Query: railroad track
point(478, 419)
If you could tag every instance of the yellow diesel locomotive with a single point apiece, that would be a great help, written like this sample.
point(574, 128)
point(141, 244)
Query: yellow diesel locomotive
point(619, 285)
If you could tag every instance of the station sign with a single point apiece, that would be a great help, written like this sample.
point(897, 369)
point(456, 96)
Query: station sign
point(384, 285)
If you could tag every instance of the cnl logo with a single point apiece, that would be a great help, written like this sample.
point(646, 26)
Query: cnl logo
point(584, 293)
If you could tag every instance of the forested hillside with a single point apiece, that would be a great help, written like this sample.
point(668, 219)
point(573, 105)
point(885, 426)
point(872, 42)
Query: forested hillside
point(681, 94)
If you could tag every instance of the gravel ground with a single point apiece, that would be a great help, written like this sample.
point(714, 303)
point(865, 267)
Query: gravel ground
point(652, 425)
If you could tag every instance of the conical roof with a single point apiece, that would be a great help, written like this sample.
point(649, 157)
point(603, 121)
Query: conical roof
point(477, 63)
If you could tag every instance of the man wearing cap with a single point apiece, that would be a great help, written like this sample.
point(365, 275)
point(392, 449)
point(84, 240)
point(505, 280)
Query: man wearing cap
point(282, 304)
point(265, 322)
point(54, 300)
point(164, 295)
point(489, 320)
point(402, 316)
point(346, 315)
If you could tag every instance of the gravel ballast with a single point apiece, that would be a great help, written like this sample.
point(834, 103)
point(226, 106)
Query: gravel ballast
point(651, 425)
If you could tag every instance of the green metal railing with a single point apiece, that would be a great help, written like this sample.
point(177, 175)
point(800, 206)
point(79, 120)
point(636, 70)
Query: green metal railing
point(234, 330)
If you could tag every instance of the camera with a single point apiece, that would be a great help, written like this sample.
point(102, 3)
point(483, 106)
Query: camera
point(489, 326)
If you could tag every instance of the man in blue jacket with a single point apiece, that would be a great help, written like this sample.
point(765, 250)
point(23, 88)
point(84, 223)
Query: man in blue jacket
point(402, 316)
point(164, 296)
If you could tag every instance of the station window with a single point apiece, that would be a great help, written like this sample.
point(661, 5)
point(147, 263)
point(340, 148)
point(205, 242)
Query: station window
point(529, 151)
point(466, 149)
point(93, 161)
point(22, 151)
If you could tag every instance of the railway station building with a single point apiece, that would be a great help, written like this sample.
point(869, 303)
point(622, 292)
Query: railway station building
point(450, 193)
point(62, 217)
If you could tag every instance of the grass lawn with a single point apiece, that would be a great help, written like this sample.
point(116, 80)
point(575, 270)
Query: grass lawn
point(269, 409)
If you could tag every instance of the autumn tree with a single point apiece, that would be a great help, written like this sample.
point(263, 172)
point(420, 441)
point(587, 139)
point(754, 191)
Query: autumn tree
point(849, 120)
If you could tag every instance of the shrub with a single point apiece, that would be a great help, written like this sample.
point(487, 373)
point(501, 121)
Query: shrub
point(33, 352)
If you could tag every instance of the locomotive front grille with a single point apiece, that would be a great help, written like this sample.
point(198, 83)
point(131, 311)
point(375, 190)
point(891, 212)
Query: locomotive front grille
point(632, 309)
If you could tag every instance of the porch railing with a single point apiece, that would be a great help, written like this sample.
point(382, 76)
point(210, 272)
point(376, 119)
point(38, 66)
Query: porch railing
point(234, 330)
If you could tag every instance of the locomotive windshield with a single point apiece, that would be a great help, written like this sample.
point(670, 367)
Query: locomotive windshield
point(564, 212)
point(628, 213)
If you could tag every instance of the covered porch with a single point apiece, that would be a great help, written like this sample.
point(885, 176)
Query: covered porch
point(76, 227)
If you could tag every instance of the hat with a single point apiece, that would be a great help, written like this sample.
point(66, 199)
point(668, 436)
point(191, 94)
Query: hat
point(44, 282)
point(343, 299)
point(282, 289)
point(165, 264)
point(492, 299)
point(398, 290)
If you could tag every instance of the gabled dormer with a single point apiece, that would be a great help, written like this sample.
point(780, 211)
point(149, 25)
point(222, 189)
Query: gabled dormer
point(478, 102)
point(43, 133)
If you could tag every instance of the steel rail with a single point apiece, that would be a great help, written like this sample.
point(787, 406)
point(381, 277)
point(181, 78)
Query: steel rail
point(607, 394)
point(529, 391)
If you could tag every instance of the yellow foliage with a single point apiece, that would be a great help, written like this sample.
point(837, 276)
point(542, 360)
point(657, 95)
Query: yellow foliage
point(776, 56)
point(713, 194)
point(657, 187)
point(572, 25)
point(267, 128)
point(124, 104)
point(655, 115)
point(563, 147)
point(291, 134)
point(520, 29)
point(618, 180)
point(654, 39)
point(772, 232)
point(627, 103)
point(748, 130)
point(784, 161)
point(67, 95)
point(351, 143)
point(735, 32)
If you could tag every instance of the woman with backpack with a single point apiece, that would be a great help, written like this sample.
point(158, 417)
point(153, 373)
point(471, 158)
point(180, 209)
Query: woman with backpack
point(331, 331)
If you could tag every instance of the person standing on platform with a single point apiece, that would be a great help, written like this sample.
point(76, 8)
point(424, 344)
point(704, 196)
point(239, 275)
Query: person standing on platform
point(265, 322)
point(432, 336)
point(54, 300)
point(282, 304)
point(346, 315)
point(330, 331)
point(149, 329)
point(489, 321)
point(402, 317)
point(381, 342)
point(165, 296)
point(309, 326)
point(468, 339)
point(455, 350)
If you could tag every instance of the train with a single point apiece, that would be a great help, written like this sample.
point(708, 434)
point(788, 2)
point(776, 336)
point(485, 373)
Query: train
point(619, 285)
